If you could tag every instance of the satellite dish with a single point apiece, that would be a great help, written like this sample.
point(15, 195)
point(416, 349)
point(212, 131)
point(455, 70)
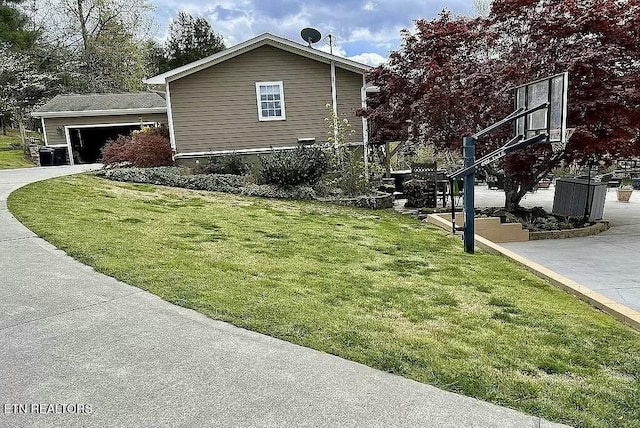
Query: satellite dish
point(310, 35)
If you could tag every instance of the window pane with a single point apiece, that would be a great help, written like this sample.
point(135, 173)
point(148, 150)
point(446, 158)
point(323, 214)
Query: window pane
point(270, 101)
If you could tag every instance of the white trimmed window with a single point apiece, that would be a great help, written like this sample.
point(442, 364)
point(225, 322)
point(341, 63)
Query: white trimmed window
point(270, 97)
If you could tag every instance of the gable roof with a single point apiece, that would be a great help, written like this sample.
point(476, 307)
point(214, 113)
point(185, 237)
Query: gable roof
point(73, 105)
point(265, 39)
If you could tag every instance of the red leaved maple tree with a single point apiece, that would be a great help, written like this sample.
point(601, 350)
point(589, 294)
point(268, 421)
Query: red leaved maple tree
point(454, 76)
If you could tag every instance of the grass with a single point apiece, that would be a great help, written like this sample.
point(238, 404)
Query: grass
point(10, 159)
point(12, 138)
point(374, 287)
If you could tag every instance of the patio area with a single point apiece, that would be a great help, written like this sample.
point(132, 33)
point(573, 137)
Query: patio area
point(605, 263)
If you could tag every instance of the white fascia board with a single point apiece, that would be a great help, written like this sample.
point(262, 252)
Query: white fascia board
point(88, 113)
point(231, 152)
point(263, 39)
point(188, 155)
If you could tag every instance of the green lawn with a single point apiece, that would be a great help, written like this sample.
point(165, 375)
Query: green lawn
point(12, 138)
point(10, 159)
point(374, 287)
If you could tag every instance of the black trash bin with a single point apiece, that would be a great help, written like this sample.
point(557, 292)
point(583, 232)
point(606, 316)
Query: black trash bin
point(46, 156)
point(60, 156)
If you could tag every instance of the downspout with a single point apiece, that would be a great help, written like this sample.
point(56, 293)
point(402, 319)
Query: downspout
point(334, 94)
point(365, 127)
point(172, 136)
point(44, 132)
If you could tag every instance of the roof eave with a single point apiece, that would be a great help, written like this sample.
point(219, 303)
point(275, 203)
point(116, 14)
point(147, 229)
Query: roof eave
point(88, 113)
point(155, 80)
point(263, 39)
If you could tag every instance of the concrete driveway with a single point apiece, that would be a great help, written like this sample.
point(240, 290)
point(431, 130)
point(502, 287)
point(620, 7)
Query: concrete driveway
point(606, 263)
point(95, 352)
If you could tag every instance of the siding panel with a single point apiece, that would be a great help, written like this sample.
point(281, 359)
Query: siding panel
point(348, 87)
point(216, 109)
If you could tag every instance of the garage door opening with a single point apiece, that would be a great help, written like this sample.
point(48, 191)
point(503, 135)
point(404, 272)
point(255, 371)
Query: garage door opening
point(87, 142)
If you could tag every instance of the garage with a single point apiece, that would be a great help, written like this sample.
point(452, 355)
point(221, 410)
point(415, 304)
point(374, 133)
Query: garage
point(83, 124)
point(87, 142)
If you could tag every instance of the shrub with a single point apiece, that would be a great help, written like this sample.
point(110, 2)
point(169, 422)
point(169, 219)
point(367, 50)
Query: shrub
point(271, 191)
point(115, 151)
point(303, 165)
point(231, 164)
point(174, 177)
point(420, 193)
point(352, 177)
point(149, 147)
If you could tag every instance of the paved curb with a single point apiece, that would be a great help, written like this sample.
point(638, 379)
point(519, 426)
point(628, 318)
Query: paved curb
point(617, 310)
point(595, 229)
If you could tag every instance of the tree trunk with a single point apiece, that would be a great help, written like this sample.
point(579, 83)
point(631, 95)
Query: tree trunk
point(83, 26)
point(512, 194)
point(3, 123)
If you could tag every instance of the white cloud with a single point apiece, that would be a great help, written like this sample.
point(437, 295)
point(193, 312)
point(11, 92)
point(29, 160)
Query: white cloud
point(369, 6)
point(382, 36)
point(364, 28)
point(369, 58)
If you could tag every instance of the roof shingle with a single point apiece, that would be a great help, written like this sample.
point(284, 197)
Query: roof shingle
point(94, 102)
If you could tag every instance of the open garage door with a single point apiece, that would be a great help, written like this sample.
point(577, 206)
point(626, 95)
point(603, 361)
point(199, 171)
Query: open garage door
point(88, 141)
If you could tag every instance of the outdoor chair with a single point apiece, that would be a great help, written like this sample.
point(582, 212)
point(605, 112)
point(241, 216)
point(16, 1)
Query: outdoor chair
point(604, 178)
point(422, 189)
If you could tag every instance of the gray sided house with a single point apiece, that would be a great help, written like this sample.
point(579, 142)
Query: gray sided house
point(263, 93)
point(84, 123)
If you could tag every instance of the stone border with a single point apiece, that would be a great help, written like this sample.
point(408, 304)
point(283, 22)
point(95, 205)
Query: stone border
point(617, 310)
point(582, 232)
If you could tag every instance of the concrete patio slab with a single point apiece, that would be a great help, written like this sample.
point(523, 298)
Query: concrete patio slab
point(604, 263)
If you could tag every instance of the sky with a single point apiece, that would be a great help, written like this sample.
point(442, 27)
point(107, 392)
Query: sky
point(363, 30)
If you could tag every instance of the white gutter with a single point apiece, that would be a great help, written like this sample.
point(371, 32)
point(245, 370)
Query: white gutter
point(88, 113)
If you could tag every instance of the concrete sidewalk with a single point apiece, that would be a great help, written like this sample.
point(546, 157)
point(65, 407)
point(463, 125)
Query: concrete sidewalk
point(72, 336)
point(604, 263)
